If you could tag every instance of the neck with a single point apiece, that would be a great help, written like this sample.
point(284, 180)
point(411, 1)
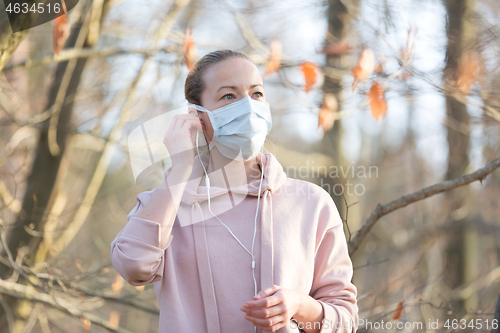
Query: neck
point(238, 173)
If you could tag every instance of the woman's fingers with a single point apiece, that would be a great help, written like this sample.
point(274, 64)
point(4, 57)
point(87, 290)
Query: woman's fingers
point(268, 312)
point(266, 292)
point(264, 302)
point(182, 119)
point(267, 322)
point(180, 138)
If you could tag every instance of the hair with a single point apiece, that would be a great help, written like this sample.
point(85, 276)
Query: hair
point(194, 86)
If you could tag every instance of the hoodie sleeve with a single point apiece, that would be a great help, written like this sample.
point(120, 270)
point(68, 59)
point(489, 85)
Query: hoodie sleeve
point(332, 285)
point(136, 253)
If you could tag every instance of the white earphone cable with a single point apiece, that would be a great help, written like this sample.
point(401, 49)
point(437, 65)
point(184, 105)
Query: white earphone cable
point(207, 183)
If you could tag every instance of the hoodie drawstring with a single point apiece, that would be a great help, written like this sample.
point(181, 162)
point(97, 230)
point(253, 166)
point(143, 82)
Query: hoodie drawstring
point(267, 250)
point(203, 262)
point(204, 270)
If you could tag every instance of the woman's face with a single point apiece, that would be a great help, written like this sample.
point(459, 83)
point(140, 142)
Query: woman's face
point(226, 82)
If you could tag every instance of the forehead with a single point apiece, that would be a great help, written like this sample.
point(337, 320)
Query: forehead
point(234, 71)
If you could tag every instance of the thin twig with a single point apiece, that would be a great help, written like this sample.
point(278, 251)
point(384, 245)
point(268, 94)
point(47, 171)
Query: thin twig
point(8, 313)
point(75, 53)
point(13, 264)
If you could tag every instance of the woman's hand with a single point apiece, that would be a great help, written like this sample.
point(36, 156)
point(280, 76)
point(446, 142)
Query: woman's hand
point(180, 138)
point(272, 308)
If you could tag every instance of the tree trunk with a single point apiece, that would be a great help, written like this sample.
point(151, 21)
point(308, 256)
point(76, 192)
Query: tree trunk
point(42, 183)
point(338, 20)
point(461, 232)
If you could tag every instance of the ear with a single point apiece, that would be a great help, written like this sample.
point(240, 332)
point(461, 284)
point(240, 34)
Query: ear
point(193, 111)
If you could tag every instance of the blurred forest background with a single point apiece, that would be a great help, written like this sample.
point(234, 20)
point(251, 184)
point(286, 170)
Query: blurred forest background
point(389, 96)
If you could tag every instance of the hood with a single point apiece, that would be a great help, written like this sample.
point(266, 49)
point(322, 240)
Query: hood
point(274, 178)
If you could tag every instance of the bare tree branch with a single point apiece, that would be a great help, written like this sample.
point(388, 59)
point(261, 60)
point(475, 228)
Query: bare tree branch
point(131, 302)
point(69, 54)
point(426, 192)
point(466, 291)
point(24, 292)
point(8, 312)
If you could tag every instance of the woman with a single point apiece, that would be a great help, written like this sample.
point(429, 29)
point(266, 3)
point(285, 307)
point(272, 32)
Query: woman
point(231, 243)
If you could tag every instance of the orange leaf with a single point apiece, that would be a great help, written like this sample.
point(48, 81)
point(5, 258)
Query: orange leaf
point(188, 49)
point(336, 49)
point(377, 100)
point(61, 31)
point(467, 72)
point(114, 319)
point(326, 113)
point(85, 323)
point(364, 67)
point(405, 75)
point(397, 314)
point(273, 64)
point(310, 71)
point(117, 284)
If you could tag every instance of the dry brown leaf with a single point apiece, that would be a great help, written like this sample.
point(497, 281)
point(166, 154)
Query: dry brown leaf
point(61, 31)
point(188, 49)
point(114, 319)
point(364, 68)
point(397, 314)
point(310, 71)
point(404, 75)
point(273, 64)
point(326, 113)
point(336, 49)
point(79, 266)
point(378, 103)
point(86, 324)
point(467, 72)
point(407, 52)
point(117, 284)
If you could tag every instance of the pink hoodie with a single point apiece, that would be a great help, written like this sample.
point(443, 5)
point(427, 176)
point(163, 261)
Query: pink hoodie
point(202, 275)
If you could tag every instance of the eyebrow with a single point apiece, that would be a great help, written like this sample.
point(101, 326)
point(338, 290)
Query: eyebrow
point(234, 87)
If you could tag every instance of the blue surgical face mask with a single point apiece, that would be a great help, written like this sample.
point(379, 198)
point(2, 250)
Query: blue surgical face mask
point(239, 126)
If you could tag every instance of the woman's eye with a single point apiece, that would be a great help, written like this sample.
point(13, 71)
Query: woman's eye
point(258, 94)
point(228, 95)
